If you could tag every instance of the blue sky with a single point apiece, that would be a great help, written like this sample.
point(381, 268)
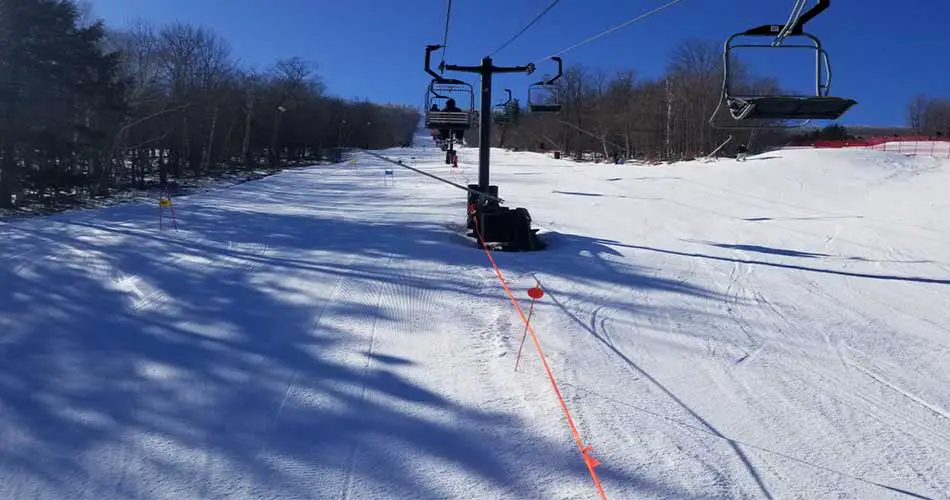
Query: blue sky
point(881, 54)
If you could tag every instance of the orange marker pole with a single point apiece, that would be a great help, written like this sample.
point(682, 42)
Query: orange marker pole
point(163, 203)
point(171, 209)
point(535, 294)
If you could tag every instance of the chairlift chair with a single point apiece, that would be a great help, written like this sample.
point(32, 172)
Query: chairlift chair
point(545, 96)
point(443, 89)
point(502, 115)
point(820, 106)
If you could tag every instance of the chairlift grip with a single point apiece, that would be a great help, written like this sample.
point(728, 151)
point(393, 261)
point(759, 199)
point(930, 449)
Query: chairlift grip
point(798, 29)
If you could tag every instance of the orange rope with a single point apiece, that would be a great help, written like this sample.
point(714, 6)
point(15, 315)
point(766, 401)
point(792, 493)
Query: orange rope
point(589, 459)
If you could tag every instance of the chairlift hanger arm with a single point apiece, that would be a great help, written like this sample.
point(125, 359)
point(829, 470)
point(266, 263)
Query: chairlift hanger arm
point(437, 78)
point(560, 72)
point(798, 29)
point(428, 67)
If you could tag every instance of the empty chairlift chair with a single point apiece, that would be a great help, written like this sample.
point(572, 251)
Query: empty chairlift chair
point(545, 96)
point(781, 107)
point(503, 114)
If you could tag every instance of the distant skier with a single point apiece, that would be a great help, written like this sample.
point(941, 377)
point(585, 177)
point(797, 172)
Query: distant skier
point(741, 152)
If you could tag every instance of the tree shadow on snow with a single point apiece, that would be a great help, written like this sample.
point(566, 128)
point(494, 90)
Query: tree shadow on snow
point(139, 363)
point(780, 265)
point(830, 217)
point(767, 250)
point(593, 260)
point(577, 193)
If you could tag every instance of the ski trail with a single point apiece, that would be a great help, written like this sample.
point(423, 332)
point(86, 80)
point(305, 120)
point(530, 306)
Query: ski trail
point(909, 395)
point(343, 290)
point(639, 372)
point(873, 406)
point(280, 408)
point(380, 295)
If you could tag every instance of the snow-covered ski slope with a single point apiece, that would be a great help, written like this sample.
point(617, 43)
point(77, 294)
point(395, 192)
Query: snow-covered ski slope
point(778, 328)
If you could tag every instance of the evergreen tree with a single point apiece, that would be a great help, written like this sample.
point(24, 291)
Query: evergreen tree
point(58, 93)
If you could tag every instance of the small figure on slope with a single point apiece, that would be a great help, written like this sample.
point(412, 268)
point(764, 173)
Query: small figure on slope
point(741, 152)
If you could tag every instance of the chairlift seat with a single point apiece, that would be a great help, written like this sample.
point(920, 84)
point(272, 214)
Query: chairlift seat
point(545, 108)
point(789, 107)
point(451, 120)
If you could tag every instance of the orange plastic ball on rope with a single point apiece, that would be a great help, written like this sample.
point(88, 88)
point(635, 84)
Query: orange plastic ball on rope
point(535, 293)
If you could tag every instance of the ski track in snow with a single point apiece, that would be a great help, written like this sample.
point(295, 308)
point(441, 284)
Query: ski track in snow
point(770, 329)
point(381, 294)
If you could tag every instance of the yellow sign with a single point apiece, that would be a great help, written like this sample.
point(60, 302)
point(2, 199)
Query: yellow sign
point(165, 202)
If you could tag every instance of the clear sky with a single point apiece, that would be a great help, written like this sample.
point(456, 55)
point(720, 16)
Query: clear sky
point(882, 51)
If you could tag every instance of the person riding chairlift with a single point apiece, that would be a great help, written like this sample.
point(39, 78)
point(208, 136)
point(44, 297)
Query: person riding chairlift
point(450, 107)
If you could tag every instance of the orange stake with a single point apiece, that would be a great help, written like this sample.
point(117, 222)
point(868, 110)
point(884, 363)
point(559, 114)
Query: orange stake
point(535, 294)
point(524, 336)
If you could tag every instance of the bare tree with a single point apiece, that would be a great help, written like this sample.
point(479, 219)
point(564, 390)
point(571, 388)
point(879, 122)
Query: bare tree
point(915, 112)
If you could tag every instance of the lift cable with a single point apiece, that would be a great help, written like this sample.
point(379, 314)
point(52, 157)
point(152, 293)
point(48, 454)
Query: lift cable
point(526, 27)
point(445, 37)
point(436, 177)
point(611, 30)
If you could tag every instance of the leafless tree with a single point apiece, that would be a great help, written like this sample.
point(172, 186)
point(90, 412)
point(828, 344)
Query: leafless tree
point(166, 101)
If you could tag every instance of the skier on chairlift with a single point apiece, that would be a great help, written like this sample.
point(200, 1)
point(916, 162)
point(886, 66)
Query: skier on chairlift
point(451, 107)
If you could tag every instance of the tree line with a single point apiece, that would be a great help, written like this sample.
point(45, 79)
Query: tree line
point(668, 117)
point(86, 110)
point(929, 115)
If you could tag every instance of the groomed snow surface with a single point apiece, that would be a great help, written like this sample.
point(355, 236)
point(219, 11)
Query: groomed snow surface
point(778, 328)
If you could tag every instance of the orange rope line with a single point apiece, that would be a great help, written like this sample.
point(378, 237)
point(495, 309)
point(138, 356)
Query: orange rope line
point(589, 459)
